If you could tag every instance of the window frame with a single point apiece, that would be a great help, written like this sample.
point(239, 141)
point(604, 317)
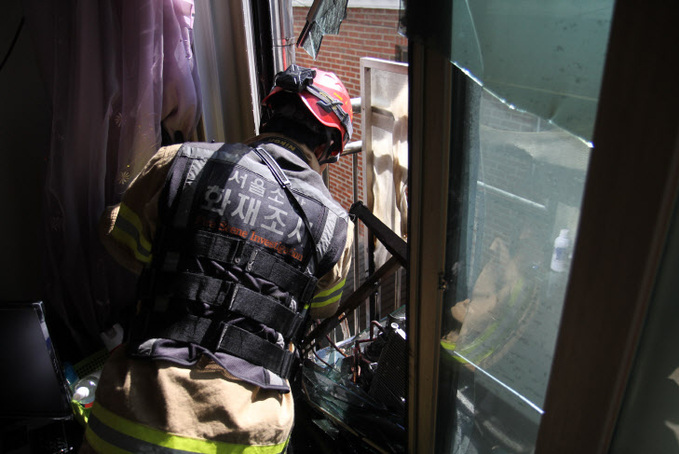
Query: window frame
point(607, 297)
point(603, 318)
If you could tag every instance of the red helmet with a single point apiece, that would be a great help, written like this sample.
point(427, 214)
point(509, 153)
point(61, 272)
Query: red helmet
point(323, 94)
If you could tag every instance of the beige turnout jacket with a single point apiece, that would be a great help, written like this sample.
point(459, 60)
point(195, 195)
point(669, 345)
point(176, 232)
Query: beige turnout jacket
point(201, 408)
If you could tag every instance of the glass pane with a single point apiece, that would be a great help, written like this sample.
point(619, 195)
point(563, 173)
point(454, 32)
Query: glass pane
point(515, 192)
point(542, 57)
point(510, 241)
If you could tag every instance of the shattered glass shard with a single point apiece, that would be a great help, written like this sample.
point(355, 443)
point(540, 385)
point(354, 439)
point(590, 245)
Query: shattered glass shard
point(324, 18)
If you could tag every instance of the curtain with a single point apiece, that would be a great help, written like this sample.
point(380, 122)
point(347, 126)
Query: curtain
point(123, 80)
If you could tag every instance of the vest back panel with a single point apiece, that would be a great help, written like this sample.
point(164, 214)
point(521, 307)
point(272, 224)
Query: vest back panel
point(229, 193)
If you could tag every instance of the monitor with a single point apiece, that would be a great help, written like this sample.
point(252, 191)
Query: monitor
point(32, 383)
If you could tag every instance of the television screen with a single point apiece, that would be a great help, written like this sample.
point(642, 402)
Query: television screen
point(32, 383)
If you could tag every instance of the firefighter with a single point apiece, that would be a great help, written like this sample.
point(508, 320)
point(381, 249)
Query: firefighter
point(237, 246)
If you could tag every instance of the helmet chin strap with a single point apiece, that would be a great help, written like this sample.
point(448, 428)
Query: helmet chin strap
point(326, 156)
point(323, 152)
point(329, 160)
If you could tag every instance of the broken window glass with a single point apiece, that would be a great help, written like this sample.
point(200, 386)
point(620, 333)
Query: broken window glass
point(542, 57)
point(532, 73)
point(545, 58)
point(514, 230)
point(356, 389)
point(324, 18)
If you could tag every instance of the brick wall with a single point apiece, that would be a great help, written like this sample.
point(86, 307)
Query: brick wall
point(366, 32)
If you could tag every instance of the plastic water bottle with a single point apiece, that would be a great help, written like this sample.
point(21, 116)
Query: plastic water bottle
point(560, 254)
point(83, 391)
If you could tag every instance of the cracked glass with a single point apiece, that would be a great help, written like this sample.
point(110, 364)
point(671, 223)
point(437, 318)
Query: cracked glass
point(530, 75)
point(542, 57)
point(324, 18)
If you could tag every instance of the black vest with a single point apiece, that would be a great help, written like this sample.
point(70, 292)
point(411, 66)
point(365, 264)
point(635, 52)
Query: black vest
point(240, 245)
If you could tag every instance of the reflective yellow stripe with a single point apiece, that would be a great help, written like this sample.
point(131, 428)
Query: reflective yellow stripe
point(450, 346)
point(328, 296)
point(129, 231)
point(322, 303)
point(329, 291)
point(144, 435)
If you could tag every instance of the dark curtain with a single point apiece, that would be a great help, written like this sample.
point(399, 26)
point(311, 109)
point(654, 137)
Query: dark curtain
point(121, 75)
